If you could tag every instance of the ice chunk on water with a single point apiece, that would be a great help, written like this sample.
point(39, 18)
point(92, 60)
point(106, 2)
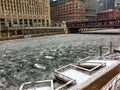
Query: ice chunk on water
point(37, 59)
point(4, 55)
point(1, 85)
point(54, 50)
point(24, 56)
point(3, 82)
point(39, 66)
point(41, 53)
point(49, 57)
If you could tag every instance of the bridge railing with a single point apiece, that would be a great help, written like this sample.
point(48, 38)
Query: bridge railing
point(114, 22)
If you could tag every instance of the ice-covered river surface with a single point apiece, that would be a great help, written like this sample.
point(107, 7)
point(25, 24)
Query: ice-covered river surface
point(33, 59)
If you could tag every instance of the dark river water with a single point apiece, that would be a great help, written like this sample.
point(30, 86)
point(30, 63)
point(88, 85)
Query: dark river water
point(33, 59)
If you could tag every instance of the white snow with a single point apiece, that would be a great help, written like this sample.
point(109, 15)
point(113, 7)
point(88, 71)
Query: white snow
point(107, 30)
point(90, 63)
point(40, 88)
point(83, 79)
point(4, 55)
point(77, 75)
point(108, 62)
point(118, 48)
point(44, 88)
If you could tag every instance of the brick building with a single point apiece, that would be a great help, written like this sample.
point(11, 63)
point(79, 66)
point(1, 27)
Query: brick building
point(67, 10)
point(110, 14)
point(23, 13)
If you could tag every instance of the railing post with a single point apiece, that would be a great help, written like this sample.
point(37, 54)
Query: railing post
point(0, 30)
point(100, 51)
point(111, 47)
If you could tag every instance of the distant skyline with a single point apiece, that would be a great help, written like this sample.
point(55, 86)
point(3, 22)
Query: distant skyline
point(116, 1)
point(104, 5)
point(54, 0)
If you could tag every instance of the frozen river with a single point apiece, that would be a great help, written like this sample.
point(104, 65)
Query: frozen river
point(34, 59)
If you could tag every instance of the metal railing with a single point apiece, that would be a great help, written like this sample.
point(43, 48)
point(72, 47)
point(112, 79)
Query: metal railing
point(110, 51)
point(27, 85)
point(68, 80)
point(97, 75)
point(63, 87)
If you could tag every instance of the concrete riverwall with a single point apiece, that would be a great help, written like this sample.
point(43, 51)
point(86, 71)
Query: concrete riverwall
point(15, 33)
point(102, 31)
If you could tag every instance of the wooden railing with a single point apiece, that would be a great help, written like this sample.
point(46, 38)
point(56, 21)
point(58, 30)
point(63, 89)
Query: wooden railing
point(112, 84)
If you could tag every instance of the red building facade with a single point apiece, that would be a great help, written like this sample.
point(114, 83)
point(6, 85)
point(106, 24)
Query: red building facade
point(110, 14)
point(68, 10)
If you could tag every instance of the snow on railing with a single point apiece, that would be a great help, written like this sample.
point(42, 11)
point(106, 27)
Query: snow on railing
point(83, 60)
point(114, 56)
point(96, 76)
point(64, 68)
point(68, 79)
point(64, 77)
point(95, 65)
point(63, 86)
point(111, 48)
point(38, 84)
point(70, 66)
point(111, 53)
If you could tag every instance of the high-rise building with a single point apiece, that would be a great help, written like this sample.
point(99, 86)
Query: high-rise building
point(116, 1)
point(109, 14)
point(23, 17)
point(103, 5)
point(51, 1)
point(67, 10)
point(27, 13)
point(91, 9)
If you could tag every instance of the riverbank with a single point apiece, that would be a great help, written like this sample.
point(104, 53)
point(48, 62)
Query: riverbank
point(107, 31)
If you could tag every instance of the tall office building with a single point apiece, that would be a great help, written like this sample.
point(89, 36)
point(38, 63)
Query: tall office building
point(91, 9)
point(110, 14)
point(103, 5)
point(51, 1)
point(24, 13)
point(67, 10)
point(116, 1)
point(21, 17)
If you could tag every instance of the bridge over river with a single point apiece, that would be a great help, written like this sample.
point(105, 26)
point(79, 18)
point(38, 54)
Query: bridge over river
point(79, 26)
